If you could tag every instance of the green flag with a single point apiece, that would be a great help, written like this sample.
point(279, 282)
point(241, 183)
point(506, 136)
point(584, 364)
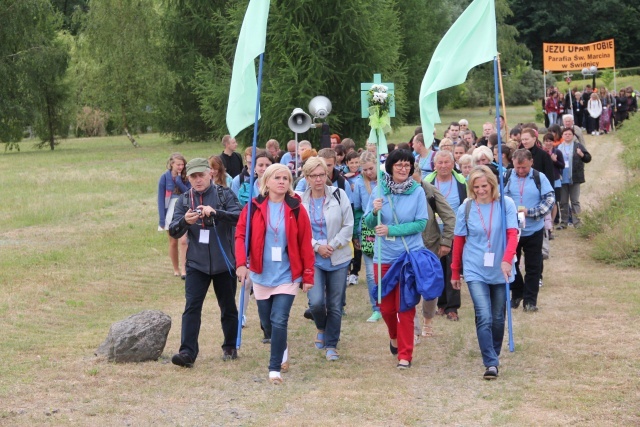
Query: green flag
point(470, 41)
point(243, 92)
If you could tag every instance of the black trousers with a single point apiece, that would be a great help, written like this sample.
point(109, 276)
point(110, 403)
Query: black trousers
point(196, 287)
point(528, 288)
point(450, 298)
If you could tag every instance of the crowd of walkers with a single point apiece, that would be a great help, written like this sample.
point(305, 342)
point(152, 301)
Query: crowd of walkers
point(425, 218)
point(597, 110)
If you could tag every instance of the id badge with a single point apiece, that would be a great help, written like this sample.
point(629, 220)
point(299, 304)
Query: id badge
point(204, 236)
point(390, 238)
point(566, 165)
point(489, 258)
point(276, 254)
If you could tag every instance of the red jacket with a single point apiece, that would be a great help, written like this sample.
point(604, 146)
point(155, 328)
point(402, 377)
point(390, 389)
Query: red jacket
point(298, 231)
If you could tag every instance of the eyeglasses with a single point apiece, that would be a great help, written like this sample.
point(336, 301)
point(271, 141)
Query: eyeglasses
point(319, 176)
point(400, 167)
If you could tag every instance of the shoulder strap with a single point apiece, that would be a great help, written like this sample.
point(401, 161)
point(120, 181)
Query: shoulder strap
point(221, 199)
point(337, 195)
point(536, 179)
point(467, 209)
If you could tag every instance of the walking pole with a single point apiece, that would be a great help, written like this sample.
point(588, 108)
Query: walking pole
point(249, 203)
point(378, 238)
point(504, 219)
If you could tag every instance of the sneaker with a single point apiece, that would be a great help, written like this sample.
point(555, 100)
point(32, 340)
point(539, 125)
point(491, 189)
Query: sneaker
point(307, 314)
point(352, 279)
point(491, 373)
point(244, 321)
point(515, 302)
point(229, 354)
point(375, 316)
point(416, 339)
point(561, 227)
point(530, 308)
point(182, 359)
point(540, 282)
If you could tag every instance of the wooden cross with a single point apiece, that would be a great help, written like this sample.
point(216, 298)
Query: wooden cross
point(364, 95)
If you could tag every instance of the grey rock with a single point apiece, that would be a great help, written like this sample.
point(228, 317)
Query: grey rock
point(138, 338)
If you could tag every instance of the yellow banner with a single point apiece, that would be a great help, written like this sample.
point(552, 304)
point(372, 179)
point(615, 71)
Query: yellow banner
point(575, 57)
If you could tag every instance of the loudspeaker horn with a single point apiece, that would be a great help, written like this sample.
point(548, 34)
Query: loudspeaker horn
point(299, 122)
point(320, 107)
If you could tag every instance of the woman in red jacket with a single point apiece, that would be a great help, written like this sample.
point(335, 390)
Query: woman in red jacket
point(281, 258)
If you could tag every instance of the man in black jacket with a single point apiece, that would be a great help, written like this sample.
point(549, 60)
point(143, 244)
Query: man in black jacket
point(208, 213)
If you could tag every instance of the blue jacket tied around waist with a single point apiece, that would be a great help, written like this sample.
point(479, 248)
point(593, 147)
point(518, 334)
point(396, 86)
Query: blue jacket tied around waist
point(418, 273)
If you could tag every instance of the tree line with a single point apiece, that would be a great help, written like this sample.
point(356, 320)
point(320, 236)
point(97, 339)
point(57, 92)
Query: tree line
point(95, 67)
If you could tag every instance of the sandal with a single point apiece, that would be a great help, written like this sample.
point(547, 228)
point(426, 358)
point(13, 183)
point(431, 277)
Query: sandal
point(332, 354)
point(319, 341)
point(284, 367)
point(275, 380)
point(427, 330)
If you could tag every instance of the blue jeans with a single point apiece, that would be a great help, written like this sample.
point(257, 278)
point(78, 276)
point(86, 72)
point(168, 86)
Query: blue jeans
point(325, 302)
point(553, 118)
point(371, 281)
point(274, 318)
point(489, 304)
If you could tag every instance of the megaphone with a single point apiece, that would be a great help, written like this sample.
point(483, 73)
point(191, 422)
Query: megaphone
point(320, 107)
point(299, 122)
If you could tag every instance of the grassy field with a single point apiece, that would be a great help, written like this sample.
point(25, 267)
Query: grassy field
point(79, 250)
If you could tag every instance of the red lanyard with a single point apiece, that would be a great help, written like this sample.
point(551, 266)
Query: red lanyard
point(193, 205)
point(522, 182)
point(280, 218)
point(450, 186)
point(484, 227)
point(315, 217)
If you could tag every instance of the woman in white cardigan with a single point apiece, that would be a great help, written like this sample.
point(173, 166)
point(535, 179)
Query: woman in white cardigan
point(594, 107)
point(332, 224)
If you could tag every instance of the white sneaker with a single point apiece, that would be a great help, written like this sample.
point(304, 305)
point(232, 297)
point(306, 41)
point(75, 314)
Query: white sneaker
point(244, 321)
point(593, 133)
point(352, 279)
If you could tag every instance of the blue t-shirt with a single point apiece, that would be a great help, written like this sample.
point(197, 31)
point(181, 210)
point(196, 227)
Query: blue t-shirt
point(450, 191)
point(361, 198)
point(302, 186)
point(408, 208)
point(274, 273)
point(425, 163)
point(567, 154)
point(477, 242)
point(524, 192)
point(319, 229)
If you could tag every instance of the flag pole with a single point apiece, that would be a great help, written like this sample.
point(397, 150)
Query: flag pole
point(502, 205)
point(504, 107)
point(247, 235)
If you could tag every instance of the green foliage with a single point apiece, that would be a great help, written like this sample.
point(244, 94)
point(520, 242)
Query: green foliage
point(119, 68)
point(607, 77)
point(191, 30)
point(53, 111)
point(423, 25)
point(28, 30)
point(311, 50)
point(538, 22)
point(614, 227)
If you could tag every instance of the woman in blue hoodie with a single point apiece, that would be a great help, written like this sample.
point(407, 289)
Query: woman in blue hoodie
point(171, 185)
point(398, 216)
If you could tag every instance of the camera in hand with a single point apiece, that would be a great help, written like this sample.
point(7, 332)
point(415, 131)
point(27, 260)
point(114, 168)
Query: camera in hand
point(199, 212)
